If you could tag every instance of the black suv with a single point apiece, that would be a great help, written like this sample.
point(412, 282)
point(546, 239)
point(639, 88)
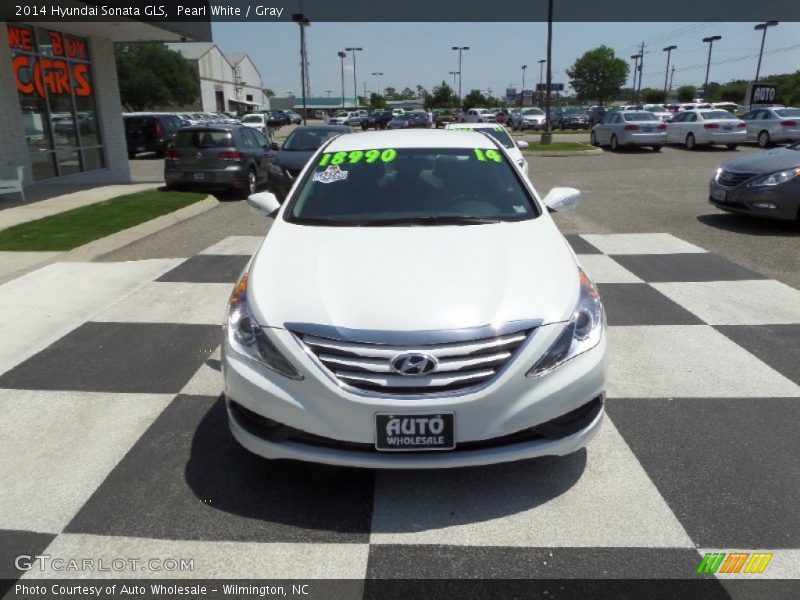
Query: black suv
point(150, 132)
point(377, 120)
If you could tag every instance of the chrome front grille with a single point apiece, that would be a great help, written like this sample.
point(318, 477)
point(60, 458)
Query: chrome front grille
point(460, 365)
point(729, 179)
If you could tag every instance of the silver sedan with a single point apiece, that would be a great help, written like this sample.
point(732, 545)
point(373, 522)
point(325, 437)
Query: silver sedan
point(768, 126)
point(630, 128)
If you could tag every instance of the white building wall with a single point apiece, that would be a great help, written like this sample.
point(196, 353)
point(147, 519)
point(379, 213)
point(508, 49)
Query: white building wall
point(13, 151)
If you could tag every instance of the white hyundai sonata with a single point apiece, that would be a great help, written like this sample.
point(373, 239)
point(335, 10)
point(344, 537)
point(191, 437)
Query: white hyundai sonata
point(414, 306)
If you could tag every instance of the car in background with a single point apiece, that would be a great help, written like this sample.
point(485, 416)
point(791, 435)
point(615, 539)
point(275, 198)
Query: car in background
point(259, 121)
point(444, 116)
point(294, 118)
point(351, 118)
point(630, 128)
point(277, 119)
point(478, 115)
point(768, 126)
point(217, 157)
point(288, 159)
point(397, 111)
point(658, 110)
point(499, 133)
point(408, 120)
point(149, 132)
point(343, 344)
point(706, 127)
point(764, 184)
point(528, 118)
point(570, 118)
point(377, 120)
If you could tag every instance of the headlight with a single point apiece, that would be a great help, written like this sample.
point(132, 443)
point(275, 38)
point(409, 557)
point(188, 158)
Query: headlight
point(248, 339)
point(775, 178)
point(582, 333)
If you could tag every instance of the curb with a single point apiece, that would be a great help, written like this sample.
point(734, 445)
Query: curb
point(590, 152)
point(120, 239)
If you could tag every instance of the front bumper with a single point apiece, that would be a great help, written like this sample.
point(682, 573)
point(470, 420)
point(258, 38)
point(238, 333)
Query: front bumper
point(319, 408)
point(743, 200)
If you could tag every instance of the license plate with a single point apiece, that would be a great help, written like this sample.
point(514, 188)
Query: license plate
point(413, 433)
point(140, 148)
point(728, 127)
point(719, 195)
point(648, 129)
point(198, 176)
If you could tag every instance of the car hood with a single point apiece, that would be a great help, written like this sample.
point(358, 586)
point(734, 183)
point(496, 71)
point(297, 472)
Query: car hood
point(768, 161)
point(413, 278)
point(293, 160)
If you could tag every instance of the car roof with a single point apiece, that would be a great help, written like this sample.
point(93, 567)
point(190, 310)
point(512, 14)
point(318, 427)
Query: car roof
point(473, 126)
point(430, 138)
point(323, 128)
point(228, 126)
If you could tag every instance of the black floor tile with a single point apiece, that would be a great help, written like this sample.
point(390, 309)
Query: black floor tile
point(641, 304)
point(655, 268)
point(208, 268)
point(776, 345)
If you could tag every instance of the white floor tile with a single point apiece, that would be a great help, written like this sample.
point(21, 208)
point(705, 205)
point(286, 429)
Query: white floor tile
point(208, 379)
point(640, 243)
point(244, 245)
point(603, 269)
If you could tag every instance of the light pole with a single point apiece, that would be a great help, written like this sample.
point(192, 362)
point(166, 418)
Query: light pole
point(762, 27)
point(454, 73)
point(668, 50)
point(328, 92)
point(342, 55)
point(522, 92)
point(635, 58)
point(303, 22)
point(460, 50)
point(710, 41)
point(379, 75)
point(355, 84)
point(541, 76)
point(547, 136)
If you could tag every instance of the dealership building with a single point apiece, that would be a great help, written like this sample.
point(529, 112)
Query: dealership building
point(61, 117)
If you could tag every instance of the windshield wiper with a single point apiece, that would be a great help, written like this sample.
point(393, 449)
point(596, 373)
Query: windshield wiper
point(431, 220)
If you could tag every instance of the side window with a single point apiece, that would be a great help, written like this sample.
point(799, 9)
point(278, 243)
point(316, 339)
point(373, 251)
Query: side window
point(749, 116)
point(261, 140)
point(616, 118)
point(691, 117)
point(248, 139)
point(766, 115)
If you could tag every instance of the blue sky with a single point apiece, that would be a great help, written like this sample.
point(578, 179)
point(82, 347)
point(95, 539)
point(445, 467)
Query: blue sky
point(419, 53)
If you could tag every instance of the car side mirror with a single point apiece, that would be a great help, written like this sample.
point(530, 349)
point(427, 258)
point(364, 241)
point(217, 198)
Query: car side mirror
point(274, 146)
point(522, 144)
point(560, 199)
point(264, 202)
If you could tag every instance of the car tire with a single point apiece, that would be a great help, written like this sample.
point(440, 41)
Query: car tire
point(593, 139)
point(763, 140)
point(690, 142)
point(657, 148)
point(614, 143)
point(252, 184)
point(733, 146)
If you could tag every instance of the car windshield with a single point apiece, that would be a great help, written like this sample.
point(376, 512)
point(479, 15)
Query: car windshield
point(203, 138)
point(640, 116)
point(499, 133)
point(788, 112)
point(711, 115)
point(410, 186)
point(305, 140)
point(533, 111)
point(655, 108)
point(252, 119)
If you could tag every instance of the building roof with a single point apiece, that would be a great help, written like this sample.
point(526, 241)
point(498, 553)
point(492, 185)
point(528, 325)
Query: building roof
point(191, 50)
point(235, 57)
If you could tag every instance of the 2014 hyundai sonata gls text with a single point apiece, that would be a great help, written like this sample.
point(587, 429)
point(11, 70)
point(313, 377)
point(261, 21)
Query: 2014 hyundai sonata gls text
point(414, 306)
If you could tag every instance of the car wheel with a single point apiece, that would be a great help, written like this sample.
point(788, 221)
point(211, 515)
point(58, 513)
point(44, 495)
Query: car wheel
point(657, 148)
point(252, 184)
point(690, 143)
point(614, 143)
point(733, 146)
point(593, 139)
point(763, 139)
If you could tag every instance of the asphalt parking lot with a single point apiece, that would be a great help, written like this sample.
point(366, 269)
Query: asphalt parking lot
point(698, 452)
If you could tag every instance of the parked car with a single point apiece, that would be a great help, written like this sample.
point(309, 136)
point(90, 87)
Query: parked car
point(443, 117)
point(259, 121)
point(768, 126)
point(288, 159)
point(377, 120)
point(630, 128)
point(408, 120)
point(294, 118)
point(570, 118)
point(478, 115)
point(333, 354)
point(351, 118)
point(217, 157)
point(706, 126)
point(528, 118)
point(658, 110)
point(149, 132)
point(277, 119)
point(499, 133)
point(765, 184)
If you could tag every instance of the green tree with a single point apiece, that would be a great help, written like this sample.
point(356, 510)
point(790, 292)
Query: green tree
point(151, 75)
point(407, 94)
point(686, 93)
point(788, 90)
point(422, 93)
point(390, 93)
point(654, 96)
point(598, 74)
point(376, 101)
point(441, 96)
point(733, 91)
point(712, 92)
point(475, 98)
point(269, 93)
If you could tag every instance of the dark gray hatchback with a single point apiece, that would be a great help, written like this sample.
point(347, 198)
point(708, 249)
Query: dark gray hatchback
point(217, 157)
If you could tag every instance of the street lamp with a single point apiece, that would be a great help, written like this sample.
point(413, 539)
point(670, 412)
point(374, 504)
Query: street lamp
point(710, 41)
point(762, 27)
point(328, 92)
point(303, 22)
point(380, 77)
point(547, 136)
point(460, 49)
point(454, 73)
point(342, 55)
point(522, 92)
point(668, 50)
point(635, 58)
point(355, 84)
point(541, 71)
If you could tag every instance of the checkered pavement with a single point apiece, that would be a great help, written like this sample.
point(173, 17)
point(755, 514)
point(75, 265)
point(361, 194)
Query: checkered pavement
point(114, 439)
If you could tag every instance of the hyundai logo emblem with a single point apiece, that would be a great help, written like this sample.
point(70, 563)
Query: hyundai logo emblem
point(413, 364)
